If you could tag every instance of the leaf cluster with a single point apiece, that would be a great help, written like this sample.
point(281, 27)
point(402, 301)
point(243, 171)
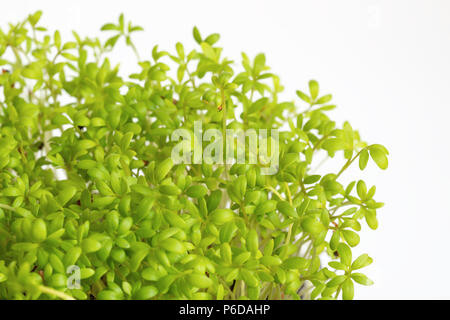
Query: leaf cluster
point(86, 177)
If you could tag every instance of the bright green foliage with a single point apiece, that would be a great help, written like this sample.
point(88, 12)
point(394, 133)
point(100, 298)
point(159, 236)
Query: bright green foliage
point(86, 177)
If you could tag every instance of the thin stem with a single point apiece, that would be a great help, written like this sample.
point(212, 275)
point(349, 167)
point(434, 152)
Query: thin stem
point(337, 207)
point(224, 110)
point(135, 51)
point(265, 291)
point(348, 163)
point(244, 213)
point(275, 192)
point(302, 186)
point(56, 293)
point(246, 111)
point(5, 206)
point(235, 290)
point(312, 259)
point(190, 77)
point(224, 128)
point(319, 142)
point(338, 291)
point(309, 248)
point(242, 288)
point(288, 191)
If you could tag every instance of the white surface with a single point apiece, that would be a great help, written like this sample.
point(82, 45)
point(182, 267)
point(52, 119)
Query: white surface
point(387, 64)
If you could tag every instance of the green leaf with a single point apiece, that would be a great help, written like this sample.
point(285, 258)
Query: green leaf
point(39, 230)
point(214, 200)
point(259, 63)
point(252, 241)
point(351, 237)
point(200, 280)
point(56, 263)
point(295, 263)
point(212, 38)
point(221, 216)
point(72, 256)
point(150, 274)
point(111, 42)
point(11, 192)
point(35, 17)
point(86, 273)
point(348, 289)
point(208, 51)
point(303, 96)
point(313, 89)
point(170, 190)
point(163, 169)
point(108, 295)
point(66, 194)
point(312, 225)
point(371, 192)
point(334, 241)
point(362, 261)
point(173, 245)
point(134, 28)
point(3, 277)
point(109, 26)
point(336, 281)
point(196, 35)
point(337, 265)
point(311, 179)
point(345, 254)
point(324, 99)
point(333, 144)
point(285, 208)
point(90, 245)
point(378, 155)
point(180, 50)
point(197, 191)
point(361, 279)
point(121, 23)
point(225, 253)
point(69, 56)
point(371, 219)
point(86, 144)
point(361, 189)
point(146, 293)
point(57, 39)
point(32, 73)
point(270, 261)
point(363, 159)
point(249, 278)
point(86, 164)
point(265, 207)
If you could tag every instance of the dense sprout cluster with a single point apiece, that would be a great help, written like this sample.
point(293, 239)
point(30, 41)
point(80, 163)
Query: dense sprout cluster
point(87, 179)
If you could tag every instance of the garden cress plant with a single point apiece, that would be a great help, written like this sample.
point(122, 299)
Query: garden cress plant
point(88, 187)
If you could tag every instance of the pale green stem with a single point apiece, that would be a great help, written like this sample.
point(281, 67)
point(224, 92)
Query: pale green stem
point(56, 293)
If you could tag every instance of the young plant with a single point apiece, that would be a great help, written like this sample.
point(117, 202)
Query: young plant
point(93, 204)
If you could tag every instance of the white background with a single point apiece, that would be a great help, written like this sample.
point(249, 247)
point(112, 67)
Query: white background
point(387, 64)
